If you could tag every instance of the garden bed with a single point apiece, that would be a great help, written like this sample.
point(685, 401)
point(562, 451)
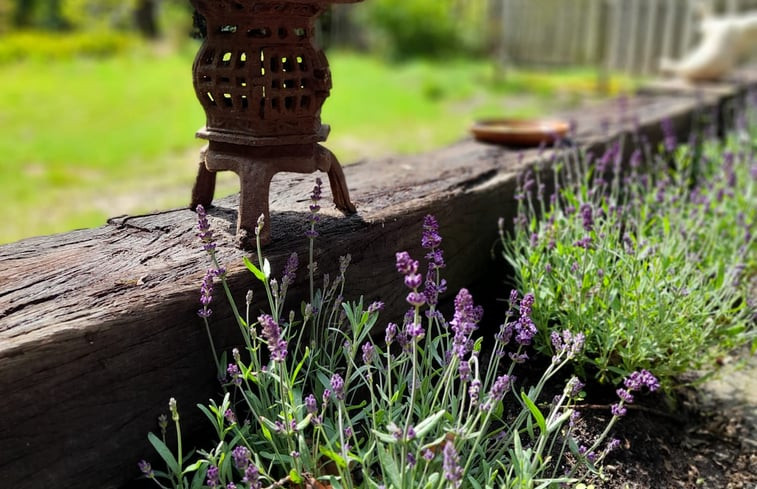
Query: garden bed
point(87, 316)
point(707, 442)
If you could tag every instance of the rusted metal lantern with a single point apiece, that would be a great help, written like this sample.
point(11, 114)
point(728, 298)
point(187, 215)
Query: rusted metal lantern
point(262, 82)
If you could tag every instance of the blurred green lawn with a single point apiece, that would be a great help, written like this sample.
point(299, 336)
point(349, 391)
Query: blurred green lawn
point(83, 140)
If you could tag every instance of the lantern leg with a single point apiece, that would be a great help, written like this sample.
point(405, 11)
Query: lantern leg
point(205, 183)
point(255, 182)
point(327, 162)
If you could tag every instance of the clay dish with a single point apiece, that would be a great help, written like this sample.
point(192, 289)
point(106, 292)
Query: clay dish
point(519, 132)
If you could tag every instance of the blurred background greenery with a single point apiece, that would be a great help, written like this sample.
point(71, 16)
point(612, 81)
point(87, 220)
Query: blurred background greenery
point(98, 113)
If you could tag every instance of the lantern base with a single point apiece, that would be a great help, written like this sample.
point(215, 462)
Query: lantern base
point(255, 167)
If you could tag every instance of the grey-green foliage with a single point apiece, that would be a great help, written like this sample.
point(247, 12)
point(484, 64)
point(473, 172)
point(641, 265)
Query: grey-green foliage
point(653, 266)
point(422, 409)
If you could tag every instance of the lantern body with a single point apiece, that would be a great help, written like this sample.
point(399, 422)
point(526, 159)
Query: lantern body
point(262, 82)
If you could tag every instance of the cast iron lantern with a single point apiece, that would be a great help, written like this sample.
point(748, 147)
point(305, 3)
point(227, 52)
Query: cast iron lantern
point(262, 82)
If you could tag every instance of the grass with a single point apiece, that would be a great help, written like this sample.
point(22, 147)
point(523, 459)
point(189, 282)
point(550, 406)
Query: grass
point(85, 139)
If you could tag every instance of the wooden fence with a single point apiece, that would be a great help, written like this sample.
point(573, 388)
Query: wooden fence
point(618, 35)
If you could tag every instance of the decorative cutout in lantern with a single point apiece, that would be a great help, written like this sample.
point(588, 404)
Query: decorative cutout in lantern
point(262, 82)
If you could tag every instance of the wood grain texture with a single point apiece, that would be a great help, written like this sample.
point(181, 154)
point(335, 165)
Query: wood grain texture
point(98, 328)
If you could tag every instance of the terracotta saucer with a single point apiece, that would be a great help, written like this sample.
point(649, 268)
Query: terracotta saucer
point(519, 132)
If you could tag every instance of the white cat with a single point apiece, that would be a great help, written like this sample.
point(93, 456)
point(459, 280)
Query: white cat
point(725, 41)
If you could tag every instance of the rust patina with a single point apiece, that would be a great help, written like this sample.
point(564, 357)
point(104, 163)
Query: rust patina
point(262, 82)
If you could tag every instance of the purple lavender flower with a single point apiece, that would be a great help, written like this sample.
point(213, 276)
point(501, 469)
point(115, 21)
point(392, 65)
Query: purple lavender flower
point(391, 333)
point(315, 197)
point(575, 386)
point(587, 216)
point(625, 396)
point(416, 299)
point(241, 456)
point(618, 410)
point(512, 301)
point(505, 333)
point(584, 242)
point(234, 373)
point(636, 380)
point(146, 469)
point(525, 329)
point(405, 264)
point(428, 455)
point(574, 417)
point(464, 322)
point(311, 404)
point(204, 232)
point(474, 391)
point(314, 207)
point(206, 294)
point(375, 307)
point(500, 386)
point(230, 416)
point(231, 485)
point(567, 342)
point(612, 445)
point(411, 460)
point(431, 240)
point(415, 331)
point(252, 477)
point(413, 280)
point(337, 386)
point(368, 351)
point(451, 465)
point(272, 334)
point(212, 476)
point(518, 357)
point(635, 159)
point(670, 141)
point(290, 271)
point(464, 371)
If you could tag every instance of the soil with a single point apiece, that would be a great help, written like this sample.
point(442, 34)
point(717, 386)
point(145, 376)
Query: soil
point(709, 441)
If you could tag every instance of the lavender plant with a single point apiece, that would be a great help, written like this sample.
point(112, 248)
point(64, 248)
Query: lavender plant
point(652, 265)
point(316, 400)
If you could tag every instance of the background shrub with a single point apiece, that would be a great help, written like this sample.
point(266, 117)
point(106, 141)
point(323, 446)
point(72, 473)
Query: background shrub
point(34, 45)
point(431, 28)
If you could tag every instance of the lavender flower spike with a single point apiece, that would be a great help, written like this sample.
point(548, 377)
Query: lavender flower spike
point(206, 294)
point(337, 386)
point(290, 271)
point(272, 334)
point(643, 378)
point(451, 466)
point(203, 227)
point(241, 457)
point(146, 469)
point(464, 321)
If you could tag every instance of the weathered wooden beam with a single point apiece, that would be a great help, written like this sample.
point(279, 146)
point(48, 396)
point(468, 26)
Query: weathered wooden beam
point(98, 328)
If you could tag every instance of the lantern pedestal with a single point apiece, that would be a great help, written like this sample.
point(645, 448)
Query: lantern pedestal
point(256, 167)
point(262, 81)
